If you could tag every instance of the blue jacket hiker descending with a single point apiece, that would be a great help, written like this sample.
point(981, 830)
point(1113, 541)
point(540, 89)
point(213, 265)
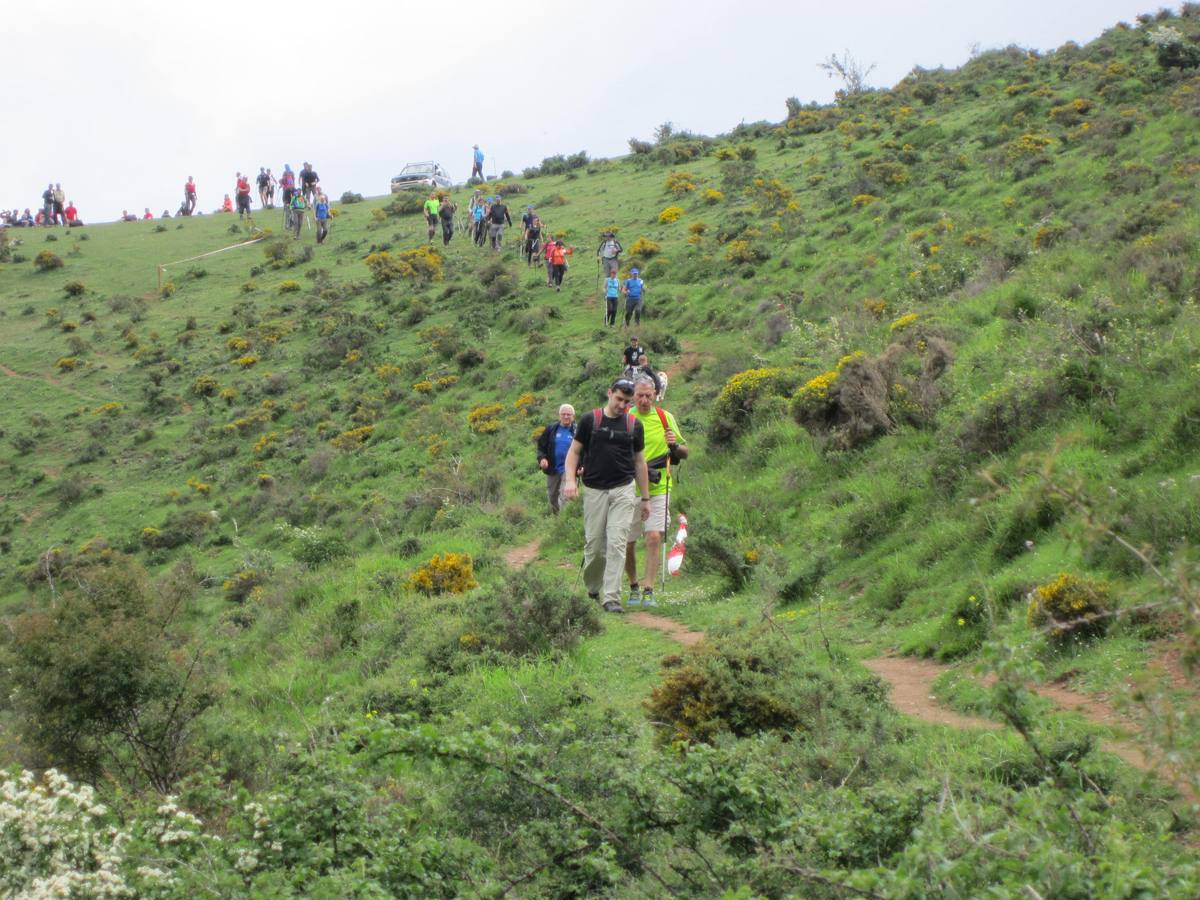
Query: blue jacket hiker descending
point(552, 447)
point(635, 295)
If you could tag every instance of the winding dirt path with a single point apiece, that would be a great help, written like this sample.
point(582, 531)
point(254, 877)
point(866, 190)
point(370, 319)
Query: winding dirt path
point(45, 379)
point(520, 557)
point(676, 631)
point(911, 681)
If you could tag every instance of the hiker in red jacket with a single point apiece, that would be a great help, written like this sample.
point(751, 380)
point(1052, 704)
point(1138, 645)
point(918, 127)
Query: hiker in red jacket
point(243, 195)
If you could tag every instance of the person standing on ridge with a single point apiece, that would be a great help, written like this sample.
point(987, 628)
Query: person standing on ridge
point(263, 180)
point(477, 163)
point(635, 296)
point(552, 447)
point(309, 180)
point(321, 210)
point(663, 444)
point(189, 197)
point(287, 184)
point(271, 185)
point(60, 202)
point(497, 217)
point(431, 213)
point(243, 195)
point(445, 212)
point(609, 444)
point(610, 251)
point(48, 205)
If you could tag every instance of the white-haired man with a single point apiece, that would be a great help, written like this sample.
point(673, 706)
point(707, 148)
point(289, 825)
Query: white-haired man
point(552, 447)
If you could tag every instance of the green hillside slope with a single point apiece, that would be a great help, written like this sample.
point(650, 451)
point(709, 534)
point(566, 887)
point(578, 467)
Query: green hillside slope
point(934, 349)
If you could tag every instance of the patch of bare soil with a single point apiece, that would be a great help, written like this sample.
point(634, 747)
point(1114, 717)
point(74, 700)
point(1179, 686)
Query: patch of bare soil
point(911, 681)
point(520, 557)
point(676, 631)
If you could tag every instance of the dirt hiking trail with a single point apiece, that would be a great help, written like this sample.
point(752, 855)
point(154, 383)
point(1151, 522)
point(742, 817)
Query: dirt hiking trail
point(46, 379)
point(672, 629)
point(519, 557)
point(911, 682)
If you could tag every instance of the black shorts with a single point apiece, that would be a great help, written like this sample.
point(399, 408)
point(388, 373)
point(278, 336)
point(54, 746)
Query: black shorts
point(288, 193)
point(243, 201)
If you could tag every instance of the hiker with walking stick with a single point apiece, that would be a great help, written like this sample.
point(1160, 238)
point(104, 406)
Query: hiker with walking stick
point(664, 447)
point(609, 253)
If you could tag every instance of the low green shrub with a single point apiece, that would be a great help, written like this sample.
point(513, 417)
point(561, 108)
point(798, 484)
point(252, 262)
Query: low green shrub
point(529, 613)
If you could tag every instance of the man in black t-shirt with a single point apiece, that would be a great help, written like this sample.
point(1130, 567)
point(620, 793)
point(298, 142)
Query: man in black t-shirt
point(608, 443)
point(632, 352)
point(497, 216)
point(308, 181)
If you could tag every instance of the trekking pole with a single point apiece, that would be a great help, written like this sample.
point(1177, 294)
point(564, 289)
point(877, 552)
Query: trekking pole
point(662, 571)
point(579, 574)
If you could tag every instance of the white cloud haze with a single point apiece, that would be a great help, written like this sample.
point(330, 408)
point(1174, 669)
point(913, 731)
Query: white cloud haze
point(121, 101)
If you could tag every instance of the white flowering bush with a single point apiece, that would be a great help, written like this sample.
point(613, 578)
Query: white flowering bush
point(1173, 49)
point(56, 841)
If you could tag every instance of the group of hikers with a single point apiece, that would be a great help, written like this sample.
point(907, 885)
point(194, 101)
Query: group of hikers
point(624, 453)
point(300, 192)
point(488, 217)
point(56, 209)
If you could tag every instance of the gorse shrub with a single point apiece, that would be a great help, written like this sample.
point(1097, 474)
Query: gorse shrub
point(1070, 607)
point(670, 215)
point(644, 248)
point(735, 404)
point(45, 261)
point(485, 418)
point(405, 203)
point(422, 265)
point(446, 573)
point(680, 183)
point(747, 684)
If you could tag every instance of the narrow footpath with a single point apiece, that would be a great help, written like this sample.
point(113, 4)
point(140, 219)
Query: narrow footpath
point(911, 682)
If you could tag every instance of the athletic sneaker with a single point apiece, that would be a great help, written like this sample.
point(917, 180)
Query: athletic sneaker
point(612, 606)
point(648, 597)
point(635, 598)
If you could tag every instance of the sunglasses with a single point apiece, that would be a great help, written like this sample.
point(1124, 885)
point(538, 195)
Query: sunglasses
point(624, 385)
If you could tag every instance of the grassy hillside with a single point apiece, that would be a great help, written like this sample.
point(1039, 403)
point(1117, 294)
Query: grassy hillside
point(934, 350)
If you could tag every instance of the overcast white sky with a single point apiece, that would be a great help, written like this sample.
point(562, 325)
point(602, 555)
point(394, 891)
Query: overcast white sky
point(121, 100)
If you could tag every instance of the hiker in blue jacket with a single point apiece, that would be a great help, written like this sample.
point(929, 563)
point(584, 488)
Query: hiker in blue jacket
point(634, 290)
point(477, 163)
point(552, 447)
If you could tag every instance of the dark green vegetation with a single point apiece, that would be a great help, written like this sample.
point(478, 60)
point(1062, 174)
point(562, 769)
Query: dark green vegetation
point(935, 349)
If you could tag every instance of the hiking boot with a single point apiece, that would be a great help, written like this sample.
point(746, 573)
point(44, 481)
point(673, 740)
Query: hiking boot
point(635, 597)
point(612, 606)
point(648, 597)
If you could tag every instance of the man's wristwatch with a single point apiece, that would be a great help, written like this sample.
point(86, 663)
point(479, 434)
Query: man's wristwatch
point(645, 499)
